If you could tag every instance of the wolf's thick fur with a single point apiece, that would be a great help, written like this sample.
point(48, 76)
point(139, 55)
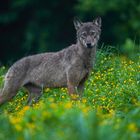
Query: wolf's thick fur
point(69, 67)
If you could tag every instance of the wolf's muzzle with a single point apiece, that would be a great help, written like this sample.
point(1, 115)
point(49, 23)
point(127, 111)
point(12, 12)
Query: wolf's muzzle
point(89, 45)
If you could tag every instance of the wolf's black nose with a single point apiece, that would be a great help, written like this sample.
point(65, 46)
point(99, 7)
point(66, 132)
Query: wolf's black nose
point(89, 45)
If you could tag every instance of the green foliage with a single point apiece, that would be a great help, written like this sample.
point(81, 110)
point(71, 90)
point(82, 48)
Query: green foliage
point(110, 107)
point(130, 49)
point(29, 26)
point(120, 18)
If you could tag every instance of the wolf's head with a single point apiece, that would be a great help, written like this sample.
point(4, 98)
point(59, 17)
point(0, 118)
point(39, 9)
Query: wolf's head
point(88, 33)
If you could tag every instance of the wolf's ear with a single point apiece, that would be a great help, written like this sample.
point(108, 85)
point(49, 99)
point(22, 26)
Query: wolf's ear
point(98, 21)
point(77, 23)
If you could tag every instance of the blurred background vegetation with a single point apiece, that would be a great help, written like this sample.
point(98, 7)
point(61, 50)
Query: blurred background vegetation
point(32, 26)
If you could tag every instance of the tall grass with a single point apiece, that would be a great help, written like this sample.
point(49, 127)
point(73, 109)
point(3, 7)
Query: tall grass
point(109, 108)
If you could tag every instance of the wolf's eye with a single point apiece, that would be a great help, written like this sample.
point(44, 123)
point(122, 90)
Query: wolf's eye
point(92, 32)
point(83, 34)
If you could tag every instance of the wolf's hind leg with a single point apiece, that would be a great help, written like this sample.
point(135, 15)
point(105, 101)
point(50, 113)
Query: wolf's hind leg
point(34, 93)
point(8, 92)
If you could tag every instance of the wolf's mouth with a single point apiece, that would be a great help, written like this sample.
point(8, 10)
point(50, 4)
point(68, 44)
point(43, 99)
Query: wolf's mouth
point(89, 45)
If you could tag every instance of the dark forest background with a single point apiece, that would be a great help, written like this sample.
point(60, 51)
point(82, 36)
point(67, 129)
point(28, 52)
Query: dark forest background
point(33, 26)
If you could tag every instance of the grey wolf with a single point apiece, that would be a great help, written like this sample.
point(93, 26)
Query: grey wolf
point(69, 67)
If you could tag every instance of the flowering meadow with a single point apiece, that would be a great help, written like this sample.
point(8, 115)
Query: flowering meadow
point(109, 108)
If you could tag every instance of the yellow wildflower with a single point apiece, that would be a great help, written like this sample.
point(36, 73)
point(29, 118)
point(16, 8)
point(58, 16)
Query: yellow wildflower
point(62, 96)
point(15, 120)
point(53, 105)
point(85, 110)
point(84, 100)
point(46, 114)
point(51, 99)
point(68, 105)
point(74, 96)
point(47, 89)
point(31, 125)
point(18, 127)
point(132, 127)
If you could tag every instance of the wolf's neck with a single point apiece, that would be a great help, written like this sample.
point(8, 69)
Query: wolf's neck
point(88, 55)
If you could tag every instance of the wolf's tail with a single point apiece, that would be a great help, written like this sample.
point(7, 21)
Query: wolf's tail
point(1, 96)
point(0, 91)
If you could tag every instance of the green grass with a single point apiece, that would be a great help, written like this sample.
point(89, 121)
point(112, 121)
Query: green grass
point(109, 108)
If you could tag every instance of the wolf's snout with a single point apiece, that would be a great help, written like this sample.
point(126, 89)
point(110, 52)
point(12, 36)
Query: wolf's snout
point(89, 45)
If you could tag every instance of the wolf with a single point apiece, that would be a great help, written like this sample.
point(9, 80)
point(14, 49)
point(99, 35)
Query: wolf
point(69, 67)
